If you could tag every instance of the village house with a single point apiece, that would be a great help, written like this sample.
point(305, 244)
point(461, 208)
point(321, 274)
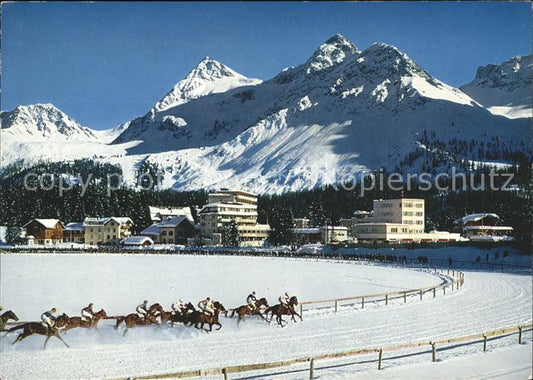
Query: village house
point(45, 231)
point(136, 241)
point(484, 227)
point(74, 233)
point(174, 230)
point(106, 231)
point(159, 213)
point(227, 206)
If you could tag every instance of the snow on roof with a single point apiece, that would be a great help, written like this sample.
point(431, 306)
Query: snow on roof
point(306, 230)
point(475, 217)
point(102, 221)
point(159, 213)
point(152, 230)
point(75, 226)
point(47, 223)
point(136, 240)
point(172, 222)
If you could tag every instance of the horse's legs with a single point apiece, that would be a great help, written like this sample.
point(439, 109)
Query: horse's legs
point(219, 325)
point(125, 331)
point(19, 338)
point(61, 339)
point(46, 341)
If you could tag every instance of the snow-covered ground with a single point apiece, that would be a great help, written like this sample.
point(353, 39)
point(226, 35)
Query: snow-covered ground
point(33, 283)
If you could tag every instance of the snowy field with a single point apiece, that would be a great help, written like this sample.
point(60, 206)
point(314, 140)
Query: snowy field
point(33, 283)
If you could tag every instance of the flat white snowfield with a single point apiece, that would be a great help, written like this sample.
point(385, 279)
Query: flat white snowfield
point(33, 283)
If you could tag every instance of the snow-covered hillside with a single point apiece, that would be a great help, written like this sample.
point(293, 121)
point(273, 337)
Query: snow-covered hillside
point(505, 89)
point(341, 112)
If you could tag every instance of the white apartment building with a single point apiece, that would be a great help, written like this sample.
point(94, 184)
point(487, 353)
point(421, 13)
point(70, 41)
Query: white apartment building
point(226, 206)
point(399, 220)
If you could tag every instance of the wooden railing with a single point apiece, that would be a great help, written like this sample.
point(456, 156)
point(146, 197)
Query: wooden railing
point(456, 283)
point(472, 338)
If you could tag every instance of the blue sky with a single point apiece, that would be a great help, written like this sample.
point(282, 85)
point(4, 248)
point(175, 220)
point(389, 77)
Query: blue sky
point(106, 63)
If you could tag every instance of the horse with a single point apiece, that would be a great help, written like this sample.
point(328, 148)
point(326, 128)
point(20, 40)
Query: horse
point(133, 319)
point(244, 310)
point(6, 317)
point(180, 317)
point(74, 322)
point(31, 328)
point(200, 319)
point(281, 309)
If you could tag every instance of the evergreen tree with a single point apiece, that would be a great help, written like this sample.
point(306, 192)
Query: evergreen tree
point(230, 234)
point(281, 224)
point(13, 235)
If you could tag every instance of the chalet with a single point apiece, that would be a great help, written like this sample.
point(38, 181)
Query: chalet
point(136, 241)
point(174, 230)
point(107, 231)
point(45, 231)
point(484, 227)
point(74, 233)
point(157, 214)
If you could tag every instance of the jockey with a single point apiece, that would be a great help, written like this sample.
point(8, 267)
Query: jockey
point(49, 317)
point(206, 306)
point(1, 308)
point(142, 309)
point(87, 313)
point(250, 300)
point(284, 299)
point(178, 307)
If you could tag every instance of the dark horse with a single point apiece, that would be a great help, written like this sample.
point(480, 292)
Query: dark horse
point(199, 319)
point(133, 319)
point(74, 322)
point(179, 317)
point(281, 309)
point(31, 328)
point(244, 310)
point(6, 317)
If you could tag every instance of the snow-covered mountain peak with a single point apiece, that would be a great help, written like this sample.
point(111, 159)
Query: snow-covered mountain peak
point(208, 77)
point(333, 51)
point(381, 56)
point(42, 122)
point(505, 89)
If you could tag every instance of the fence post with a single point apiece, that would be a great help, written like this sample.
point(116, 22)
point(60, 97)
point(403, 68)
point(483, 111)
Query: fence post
point(336, 306)
point(453, 273)
point(452, 285)
point(225, 372)
point(519, 334)
point(301, 310)
point(362, 302)
point(434, 292)
point(386, 299)
point(444, 289)
point(484, 343)
point(312, 369)
point(433, 352)
point(421, 295)
point(380, 357)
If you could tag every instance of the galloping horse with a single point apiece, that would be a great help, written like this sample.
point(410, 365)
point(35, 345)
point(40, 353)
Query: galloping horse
point(31, 328)
point(133, 319)
point(6, 317)
point(245, 310)
point(200, 319)
point(74, 322)
point(180, 317)
point(282, 309)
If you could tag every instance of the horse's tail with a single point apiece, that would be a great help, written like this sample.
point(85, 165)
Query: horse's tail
point(119, 321)
point(14, 328)
point(232, 311)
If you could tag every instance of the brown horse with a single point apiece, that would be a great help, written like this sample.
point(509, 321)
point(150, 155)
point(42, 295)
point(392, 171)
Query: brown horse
point(199, 319)
point(281, 309)
point(244, 310)
point(31, 328)
point(133, 319)
point(6, 317)
point(74, 322)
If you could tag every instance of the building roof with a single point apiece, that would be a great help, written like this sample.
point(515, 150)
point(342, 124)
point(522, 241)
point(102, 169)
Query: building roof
point(155, 229)
point(75, 226)
point(46, 223)
point(158, 213)
point(103, 221)
point(475, 218)
point(136, 240)
point(306, 230)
